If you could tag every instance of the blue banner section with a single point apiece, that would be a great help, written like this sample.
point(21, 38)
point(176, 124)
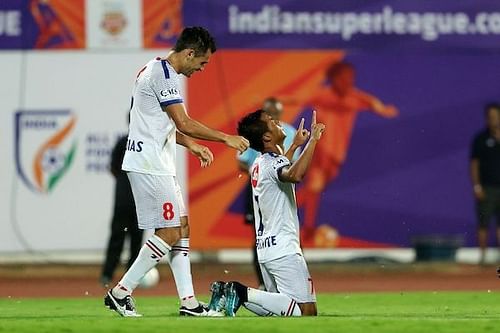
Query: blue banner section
point(401, 87)
point(41, 24)
point(11, 24)
point(348, 24)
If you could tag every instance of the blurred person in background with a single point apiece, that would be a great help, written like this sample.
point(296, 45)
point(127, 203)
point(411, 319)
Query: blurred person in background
point(274, 108)
point(124, 221)
point(485, 174)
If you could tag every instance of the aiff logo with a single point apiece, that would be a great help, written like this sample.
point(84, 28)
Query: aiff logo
point(44, 151)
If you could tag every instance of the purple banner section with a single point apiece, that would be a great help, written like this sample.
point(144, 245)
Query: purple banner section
point(376, 25)
point(11, 24)
point(41, 24)
point(409, 176)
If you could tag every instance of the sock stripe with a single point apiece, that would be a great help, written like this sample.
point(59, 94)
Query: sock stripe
point(179, 250)
point(180, 247)
point(122, 287)
point(155, 249)
point(290, 308)
point(293, 308)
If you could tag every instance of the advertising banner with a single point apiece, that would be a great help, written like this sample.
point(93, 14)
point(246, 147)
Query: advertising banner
point(42, 24)
point(400, 85)
point(114, 24)
point(59, 129)
point(394, 161)
point(375, 25)
point(162, 23)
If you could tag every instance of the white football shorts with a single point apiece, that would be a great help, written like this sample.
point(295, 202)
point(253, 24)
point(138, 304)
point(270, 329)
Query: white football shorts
point(289, 275)
point(158, 200)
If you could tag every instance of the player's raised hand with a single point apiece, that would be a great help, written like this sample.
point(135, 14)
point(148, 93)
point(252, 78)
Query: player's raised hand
point(301, 135)
point(237, 142)
point(391, 111)
point(316, 128)
point(203, 153)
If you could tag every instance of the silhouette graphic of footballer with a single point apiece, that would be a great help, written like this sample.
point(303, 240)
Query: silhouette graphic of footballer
point(338, 105)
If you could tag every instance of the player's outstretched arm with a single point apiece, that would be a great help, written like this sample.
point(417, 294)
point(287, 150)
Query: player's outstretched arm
point(300, 138)
point(387, 111)
point(296, 172)
point(203, 153)
point(195, 129)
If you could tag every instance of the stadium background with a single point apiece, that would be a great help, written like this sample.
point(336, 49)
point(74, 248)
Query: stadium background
point(68, 68)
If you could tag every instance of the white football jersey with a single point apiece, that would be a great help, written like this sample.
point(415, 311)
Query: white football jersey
point(151, 137)
point(275, 209)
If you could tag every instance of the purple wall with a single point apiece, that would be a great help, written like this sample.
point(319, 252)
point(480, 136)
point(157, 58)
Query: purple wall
point(406, 176)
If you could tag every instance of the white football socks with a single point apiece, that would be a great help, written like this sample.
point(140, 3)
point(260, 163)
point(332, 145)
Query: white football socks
point(150, 255)
point(277, 303)
point(181, 269)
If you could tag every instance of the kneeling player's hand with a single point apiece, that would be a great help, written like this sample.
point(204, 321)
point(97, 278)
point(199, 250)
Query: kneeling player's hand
point(498, 272)
point(203, 153)
point(316, 128)
point(301, 135)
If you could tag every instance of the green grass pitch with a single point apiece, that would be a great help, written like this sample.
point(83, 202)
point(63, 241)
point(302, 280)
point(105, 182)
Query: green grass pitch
point(432, 312)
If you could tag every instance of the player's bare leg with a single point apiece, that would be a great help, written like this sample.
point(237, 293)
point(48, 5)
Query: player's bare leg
point(181, 268)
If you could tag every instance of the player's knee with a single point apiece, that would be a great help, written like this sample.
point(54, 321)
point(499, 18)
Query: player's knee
point(169, 235)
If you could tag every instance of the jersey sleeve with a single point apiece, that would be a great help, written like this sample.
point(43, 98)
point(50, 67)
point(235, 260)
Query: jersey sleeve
point(277, 165)
point(166, 85)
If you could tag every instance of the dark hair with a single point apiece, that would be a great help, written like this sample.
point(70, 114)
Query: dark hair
point(271, 100)
point(337, 67)
point(196, 38)
point(490, 106)
point(253, 129)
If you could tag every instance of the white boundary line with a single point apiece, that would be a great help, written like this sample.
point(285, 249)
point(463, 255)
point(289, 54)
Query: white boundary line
point(241, 256)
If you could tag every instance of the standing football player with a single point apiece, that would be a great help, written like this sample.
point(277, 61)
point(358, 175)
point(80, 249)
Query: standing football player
point(290, 289)
point(158, 121)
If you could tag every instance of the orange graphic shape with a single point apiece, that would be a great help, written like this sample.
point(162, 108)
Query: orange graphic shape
point(53, 141)
point(233, 84)
point(157, 14)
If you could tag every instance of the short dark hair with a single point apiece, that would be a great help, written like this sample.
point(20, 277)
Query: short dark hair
point(196, 38)
point(490, 106)
point(271, 100)
point(253, 129)
point(337, 67)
